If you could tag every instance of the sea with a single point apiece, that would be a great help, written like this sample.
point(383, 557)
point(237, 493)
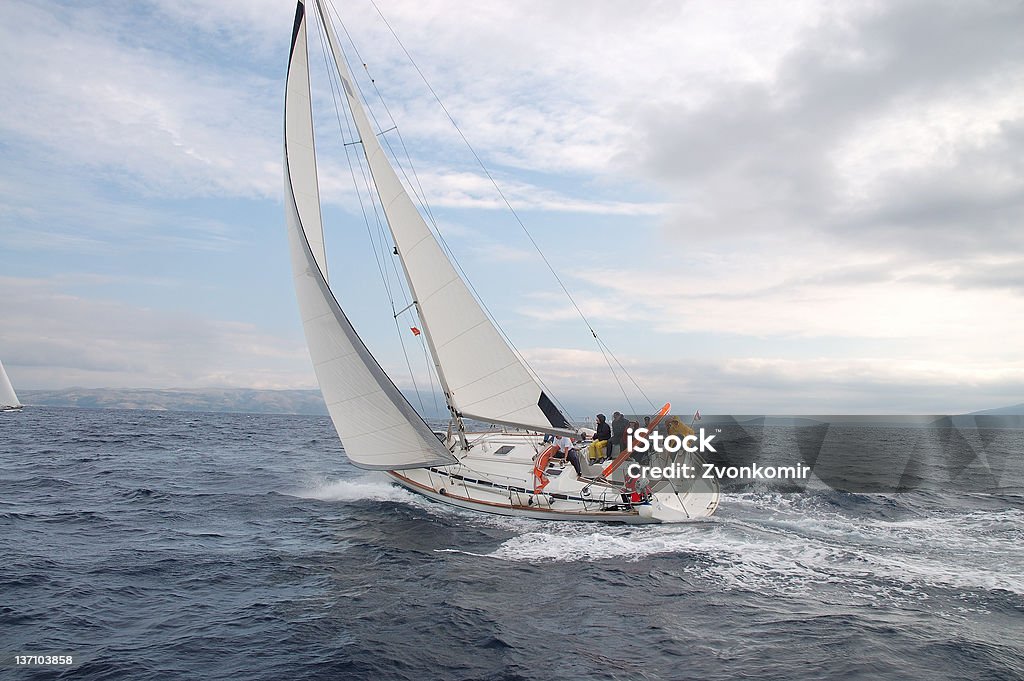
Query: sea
point(173, 545)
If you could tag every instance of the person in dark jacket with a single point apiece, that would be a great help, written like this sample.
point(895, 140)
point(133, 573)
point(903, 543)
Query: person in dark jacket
point(619, 426)
point(603, 434)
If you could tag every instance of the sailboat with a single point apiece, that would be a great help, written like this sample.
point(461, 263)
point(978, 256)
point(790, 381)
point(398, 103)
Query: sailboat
point(8, 399)
point(509, 470)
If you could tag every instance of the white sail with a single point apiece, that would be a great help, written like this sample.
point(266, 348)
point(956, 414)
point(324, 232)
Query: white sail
point(8, 400)
point(378, 427)
point(482, 376)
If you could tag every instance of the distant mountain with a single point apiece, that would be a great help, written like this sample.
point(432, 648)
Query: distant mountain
point(216, 400)
point(242, 400)
point(248, 400)
point(1015, 410)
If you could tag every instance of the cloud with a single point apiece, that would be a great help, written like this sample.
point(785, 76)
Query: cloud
point(897, 131)
point(52, 339)
point(552, 86)
point(863, 200)
point(935, 308)
point(846, 180)
point(754, 385)
point(53, 210)
point(151, 120)
point(471, 190)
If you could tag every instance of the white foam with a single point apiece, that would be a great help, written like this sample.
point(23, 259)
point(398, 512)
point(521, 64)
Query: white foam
point(786, 543)
point(792, 550)
point(370, 487)
point(565, 542)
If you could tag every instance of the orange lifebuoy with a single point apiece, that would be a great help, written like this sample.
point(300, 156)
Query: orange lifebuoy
point(540, 480)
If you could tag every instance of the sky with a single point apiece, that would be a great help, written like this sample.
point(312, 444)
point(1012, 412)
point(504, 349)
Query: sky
point(789, 207)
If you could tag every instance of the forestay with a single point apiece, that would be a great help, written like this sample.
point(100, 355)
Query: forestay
point(377, 425)
point(482, 376)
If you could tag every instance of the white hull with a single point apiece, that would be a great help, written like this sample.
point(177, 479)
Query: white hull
point(497, 476)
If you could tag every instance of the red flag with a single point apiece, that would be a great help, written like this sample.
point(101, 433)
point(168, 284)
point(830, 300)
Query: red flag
point(415, 331)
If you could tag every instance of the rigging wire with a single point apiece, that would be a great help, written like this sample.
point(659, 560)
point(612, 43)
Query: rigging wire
point(601, 343)
point(420, 195)
point(616, 377)
point(378, 209)
point(508, 204)
point(335, 92)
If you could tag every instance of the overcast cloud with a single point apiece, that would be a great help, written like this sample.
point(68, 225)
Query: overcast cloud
point(798, 203)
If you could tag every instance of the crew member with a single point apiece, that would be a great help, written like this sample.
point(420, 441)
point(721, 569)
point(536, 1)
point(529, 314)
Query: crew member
point(619, 426)
point(567, 451)
point(596, 450)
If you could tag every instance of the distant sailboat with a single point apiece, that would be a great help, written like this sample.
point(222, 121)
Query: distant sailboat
point(508, 472)
point(8, 399)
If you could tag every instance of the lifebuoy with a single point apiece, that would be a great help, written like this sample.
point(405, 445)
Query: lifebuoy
point(540, 481)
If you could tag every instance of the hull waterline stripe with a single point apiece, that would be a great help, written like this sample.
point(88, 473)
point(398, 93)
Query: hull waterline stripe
point(520, 490)
point(409, 481)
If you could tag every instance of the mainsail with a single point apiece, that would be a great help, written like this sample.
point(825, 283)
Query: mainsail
point(482, 377)
point(378, 427)
point(8, 400)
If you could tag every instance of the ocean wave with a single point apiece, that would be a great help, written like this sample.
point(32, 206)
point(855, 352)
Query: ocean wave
point(372, 487)
point(799, 550)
